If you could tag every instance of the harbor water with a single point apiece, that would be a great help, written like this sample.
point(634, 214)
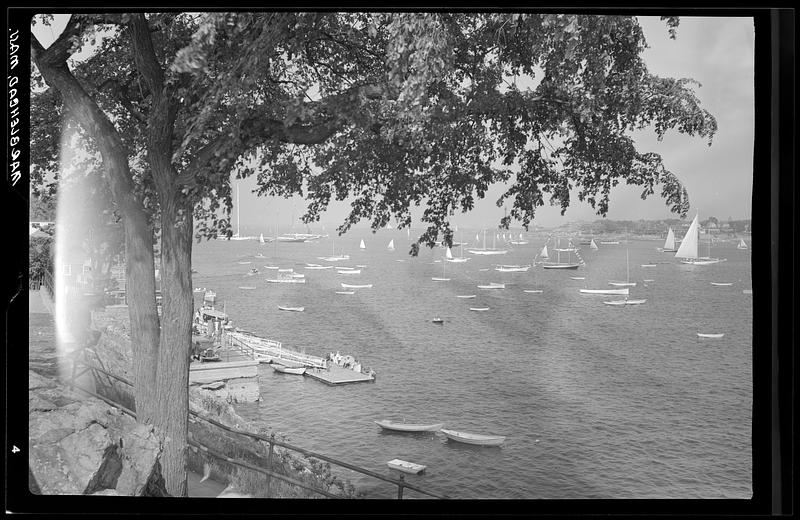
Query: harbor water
point(596, 401)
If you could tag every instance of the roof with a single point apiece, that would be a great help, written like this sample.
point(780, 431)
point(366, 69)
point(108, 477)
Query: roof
point(214, 313)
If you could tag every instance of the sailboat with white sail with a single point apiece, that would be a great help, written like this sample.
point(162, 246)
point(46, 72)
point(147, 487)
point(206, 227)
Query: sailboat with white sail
point(593, 245)
point(456, 259)
point(519, 241)
point(558, 264)
point(688, 251)
point(390, 247)
point(484, 251)
point(334, 257)
point(669, 243)
point(442, 278)
point(362, 246)
point(742, 244)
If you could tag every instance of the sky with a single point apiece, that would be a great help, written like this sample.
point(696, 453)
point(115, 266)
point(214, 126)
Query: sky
point(717, 52)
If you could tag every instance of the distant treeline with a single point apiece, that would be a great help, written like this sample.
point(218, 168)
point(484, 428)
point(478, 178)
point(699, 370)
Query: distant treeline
point(658, 227)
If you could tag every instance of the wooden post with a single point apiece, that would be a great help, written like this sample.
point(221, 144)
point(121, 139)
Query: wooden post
point(400, 488)
point(269, 462)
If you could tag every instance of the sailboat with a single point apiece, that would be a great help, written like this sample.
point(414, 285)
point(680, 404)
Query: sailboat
point(543, 253)
point(442, 278)
point(237, 236)
point(362, 245)
point(627, 282)
point(558, 264)
point(688, 251)
point(593, 245)
point(390, 247)
point(742, 244)
point(261, 238)
point(669, 244)
point(459, 259)
point(519, 241)
point(334, 257)
point(484, 251)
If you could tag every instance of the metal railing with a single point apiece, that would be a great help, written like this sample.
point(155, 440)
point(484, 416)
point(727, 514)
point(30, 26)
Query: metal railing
point(271, 442)
point(260, 347)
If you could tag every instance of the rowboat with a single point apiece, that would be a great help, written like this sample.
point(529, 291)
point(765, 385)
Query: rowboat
point(364, 286)
point(293, 309)
point(722, 284)
point(474, 438)
point(438, 321)
point(349, 271)
point(622, 284)
point(578, 277)
point(493, 286)
point(288, 370)
point(648, 265)
point(625, 302)
point(534, 291)
point(286, 280)
point(271, 267)
point(406, 467)
point(246, 288)
point(317, 266)
point(465, 296)
point(649, 280)
point(712, 336)
point(408, 427)
point(288, 270)
point(479, 309)
point(345, 292)
point(512, 269)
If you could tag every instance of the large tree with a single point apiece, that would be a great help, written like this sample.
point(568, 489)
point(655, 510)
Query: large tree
point(389, 110)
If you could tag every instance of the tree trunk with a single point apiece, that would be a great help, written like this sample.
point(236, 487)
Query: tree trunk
point(176, 337)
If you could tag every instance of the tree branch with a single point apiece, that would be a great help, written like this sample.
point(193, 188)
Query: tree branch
point(119, 95)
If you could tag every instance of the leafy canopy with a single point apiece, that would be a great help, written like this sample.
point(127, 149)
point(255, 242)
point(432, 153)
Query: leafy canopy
point(393, 110)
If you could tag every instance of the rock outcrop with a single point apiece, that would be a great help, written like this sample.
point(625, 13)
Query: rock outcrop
point(81, 445)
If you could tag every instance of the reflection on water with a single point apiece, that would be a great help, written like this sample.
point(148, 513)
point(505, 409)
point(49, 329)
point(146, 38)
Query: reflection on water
point(596, 401)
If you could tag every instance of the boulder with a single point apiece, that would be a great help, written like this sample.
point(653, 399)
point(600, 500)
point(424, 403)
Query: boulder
point(81, 445)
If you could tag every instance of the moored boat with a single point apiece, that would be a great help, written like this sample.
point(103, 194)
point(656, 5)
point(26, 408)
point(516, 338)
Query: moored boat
point(293, 309)
point(362, 286)
point(534, 291)
point(711, 336)
point(288, 370)
point(625, 302)
point(465, 296)
point(406, 467)
point(605, 291)
point(722, 284)
point(474, 438)
point(479, 309)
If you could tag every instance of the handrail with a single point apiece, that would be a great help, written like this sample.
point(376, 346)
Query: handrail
point(400, 483)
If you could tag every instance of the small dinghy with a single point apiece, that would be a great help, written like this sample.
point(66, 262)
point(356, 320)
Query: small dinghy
point(406, 467)
point(578, 277)
point(345, 292)
point(474, 438)
point(244, 263)
point(293, 309)
point(465, 296)
point(493, 286)
point(438, 321)
point(711, 336)
point(299, 371)
point(625, 302)
point(349, 271)
point(271, 267)
point(533, 291)
point(722, 284)
point(364, 286)
point(479, 309)
point(408, 427)
point(246, 288)
point(605, 291)
point(622, 284)
point(648, 265)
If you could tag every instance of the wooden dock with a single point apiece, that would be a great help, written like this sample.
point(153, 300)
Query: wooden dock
point(337, 375)
point(222, 371)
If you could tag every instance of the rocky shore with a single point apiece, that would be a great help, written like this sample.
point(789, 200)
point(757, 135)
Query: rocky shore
point(81, 445)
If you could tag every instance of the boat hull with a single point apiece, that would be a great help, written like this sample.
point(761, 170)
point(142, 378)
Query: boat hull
point(297, 371)
point(560, 266)
point(474, 438)
point(409, 427)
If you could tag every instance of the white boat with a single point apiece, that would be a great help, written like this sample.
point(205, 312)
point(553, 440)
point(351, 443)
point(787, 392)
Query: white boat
point(286, 280)
point(479, 309)
point(465, 296)
point(316, 267)
point(605, 291)
point(199, 289)
point(293, 309)
point(349, 271)
point(362, 245)
point(543, 252)
point(722, 284)
point(271, 267)
point(334, 258)
point(625, 302)
point(533, 291)
point(292, 237)
point(593, 245)
point(712, 336)
point(438, 321)
point(474, 438)
point(361, 266)
point(406, 467)
point(493, 286)
point(261, 238)
point(610, 242)
point(578, 277)
point(669, 243)
point(345, 292)
point(288, 370)
point(688, 251)
point(298, 275)
point(390, 247)
point(558, 264)
point(246, 288)
point(648, 265)
point(512, 269)
point(245, 263)
point(647, 280)
point(519, 241)
point(287, 270)
point(363, 286)
point(742, 244)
